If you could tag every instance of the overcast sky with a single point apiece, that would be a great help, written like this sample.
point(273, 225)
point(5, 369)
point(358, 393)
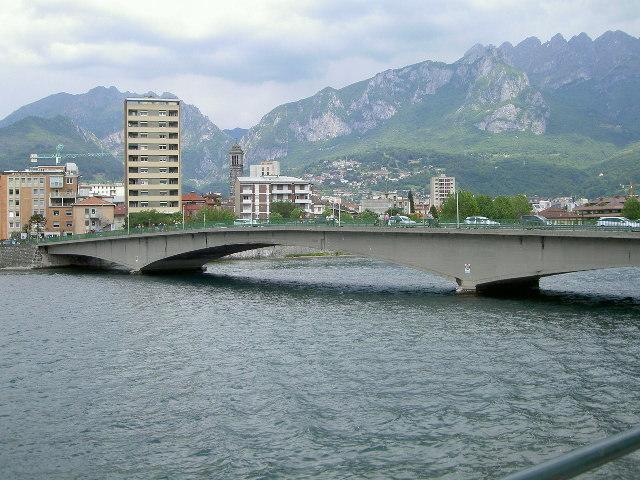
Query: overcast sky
point(238, 59)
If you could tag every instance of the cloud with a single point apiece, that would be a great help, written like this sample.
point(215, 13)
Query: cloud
point(267, 50)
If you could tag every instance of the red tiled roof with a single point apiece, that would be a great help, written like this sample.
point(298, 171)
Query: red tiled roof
point(556, 213)
point(94, 201)
point(192, 197)
point(120, 210)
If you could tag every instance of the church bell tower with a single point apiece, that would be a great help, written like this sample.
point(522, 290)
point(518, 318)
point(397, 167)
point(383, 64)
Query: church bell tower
point(236, 167)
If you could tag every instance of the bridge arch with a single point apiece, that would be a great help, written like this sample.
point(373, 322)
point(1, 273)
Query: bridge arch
point(475, 259)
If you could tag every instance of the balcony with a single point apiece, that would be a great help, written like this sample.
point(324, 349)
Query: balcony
point(284, 191)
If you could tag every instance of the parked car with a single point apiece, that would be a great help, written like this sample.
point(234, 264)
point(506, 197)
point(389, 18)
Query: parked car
point(477, 220)
point(534, 221)
point(620, 222)
point(401, 221)
point(244, 222)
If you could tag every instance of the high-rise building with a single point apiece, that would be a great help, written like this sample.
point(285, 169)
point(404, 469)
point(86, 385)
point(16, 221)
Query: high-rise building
point(47, 190)
point(152, 154)
point(441, 187)
point(266, 168)
point(236, 168)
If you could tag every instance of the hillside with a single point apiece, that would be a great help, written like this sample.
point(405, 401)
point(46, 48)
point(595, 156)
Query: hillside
point(559, 117)
point(100, 111)
point(42, 135)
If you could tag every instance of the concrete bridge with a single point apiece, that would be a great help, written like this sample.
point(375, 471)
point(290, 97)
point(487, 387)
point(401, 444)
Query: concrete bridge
point(477, 260)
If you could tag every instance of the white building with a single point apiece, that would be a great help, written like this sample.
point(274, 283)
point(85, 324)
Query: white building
point(114, 192)
point(255, 194)
point(381, 203)
point(441, 187)
point(266, 168)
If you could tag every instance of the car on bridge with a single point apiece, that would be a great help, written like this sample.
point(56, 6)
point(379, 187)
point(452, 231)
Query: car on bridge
point(481, 221)
point(238, 222)
point(401, 221)
point(618, 222)
point(534, 221)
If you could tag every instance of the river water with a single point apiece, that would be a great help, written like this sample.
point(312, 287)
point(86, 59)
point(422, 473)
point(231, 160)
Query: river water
point(310, 368)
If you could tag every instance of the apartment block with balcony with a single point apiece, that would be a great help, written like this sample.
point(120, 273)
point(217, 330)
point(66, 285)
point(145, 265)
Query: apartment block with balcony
point(93, 214)
point(152, 154)
point(46, 190)
point(441, 187)
point(254, 195)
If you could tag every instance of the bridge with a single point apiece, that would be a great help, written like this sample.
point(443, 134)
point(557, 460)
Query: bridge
point(478, 260)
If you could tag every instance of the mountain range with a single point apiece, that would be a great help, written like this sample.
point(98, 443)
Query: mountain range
point(559, 117)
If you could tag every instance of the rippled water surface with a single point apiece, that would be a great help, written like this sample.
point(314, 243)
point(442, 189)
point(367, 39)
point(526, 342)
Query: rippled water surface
point(327, 368)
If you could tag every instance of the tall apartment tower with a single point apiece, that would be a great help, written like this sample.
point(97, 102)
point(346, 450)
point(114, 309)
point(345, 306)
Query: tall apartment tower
point(152, 154)
point(441, 187)
point(236, 167)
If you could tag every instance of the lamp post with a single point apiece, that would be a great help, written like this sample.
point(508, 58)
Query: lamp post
point(457, 209)
point(183, 216)
point(128, 222)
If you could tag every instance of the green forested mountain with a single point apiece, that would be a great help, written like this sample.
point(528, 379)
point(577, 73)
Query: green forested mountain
point(42, 135)
point(560, 117)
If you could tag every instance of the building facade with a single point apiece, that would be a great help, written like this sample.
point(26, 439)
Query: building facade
point(266, 168)
point(93, 214)
point(440, 188)
point(152, 154)
point(113, 191)
point(46, 190)
point(254, 195)
point(236, 168)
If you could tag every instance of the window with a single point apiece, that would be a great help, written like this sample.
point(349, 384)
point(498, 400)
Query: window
point(162, 113)
point(69, 224)
point(69, 180)
point(86, 211)
point(144, 134)
point(68, 213)
point(143, 113)
point(144, 147)
point(56, 224)
point(42, 181)
point(144, 170)
point(56, 182)
point(17, 190)
point(144, 124)
point(144, 158)
point(163, 204)
point(56, 213)
point(144, 192)
point(17, 224)
point(17, 202)
point(93, 211)
point(86, 223)
point(144, 204)
point(163, 181)
point(162, 124)
point(162, 135)
point(163, 169)
point(162, 147)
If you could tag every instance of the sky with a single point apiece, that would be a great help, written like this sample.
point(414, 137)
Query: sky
point(236, 60)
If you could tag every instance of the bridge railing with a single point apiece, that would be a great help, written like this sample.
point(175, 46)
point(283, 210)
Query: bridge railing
point(426, 223)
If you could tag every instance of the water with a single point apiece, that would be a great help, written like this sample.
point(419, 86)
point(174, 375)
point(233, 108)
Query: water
point(309, 368)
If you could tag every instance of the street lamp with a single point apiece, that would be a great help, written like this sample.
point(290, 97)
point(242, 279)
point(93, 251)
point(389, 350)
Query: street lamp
point(457, 209)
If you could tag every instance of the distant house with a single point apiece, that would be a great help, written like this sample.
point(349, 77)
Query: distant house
point(119, 217)
point(560, 216)
point(603, 206)
point(93, 214)
point(192, 203)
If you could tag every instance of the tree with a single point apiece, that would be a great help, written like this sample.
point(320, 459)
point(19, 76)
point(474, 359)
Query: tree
point(521, 205)
point(503, 208)
point(368, 216)
point(467, 203)
point(215, 215)
point(433, 211)
point(36, 222)
point(485, 206)
point(412, 207)
point(394, 211)
point(283, 208)
point(296, 213)
point(151, 218)
point(275, 217)
point(631, 208)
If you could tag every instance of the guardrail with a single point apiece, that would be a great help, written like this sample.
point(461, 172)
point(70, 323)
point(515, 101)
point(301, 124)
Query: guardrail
point(503, 225)
point(583, 459)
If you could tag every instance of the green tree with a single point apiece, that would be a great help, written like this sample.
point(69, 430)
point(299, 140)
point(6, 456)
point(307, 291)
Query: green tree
point(433, 211)
point(521, 205)
point(275, 217)
point(283, 208)
point(394, 211)
point(631, 208)
point(485, 206)
point(36, 223)
point(296, 213)
point(215, 215)
point(412, 207)
point(368, 216)
point(152, 218)
point(467, 203)
point(503, 208)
